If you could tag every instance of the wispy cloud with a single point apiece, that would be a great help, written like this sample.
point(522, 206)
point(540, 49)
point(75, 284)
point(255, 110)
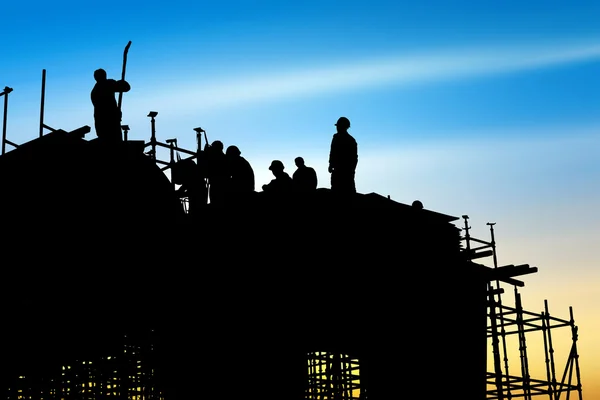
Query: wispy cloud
point(371, 73)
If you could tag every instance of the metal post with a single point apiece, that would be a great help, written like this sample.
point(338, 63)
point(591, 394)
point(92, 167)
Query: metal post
point(125, 130)
point(493, 243)
point(546, 316)
point(42, 102)
point(522, 347)
point(5, 93)
point(574, 355)
point(467, 237)
point(199, 139)
point(199, 131)
point(172, 144)
point(495, 336)
point(152, 115)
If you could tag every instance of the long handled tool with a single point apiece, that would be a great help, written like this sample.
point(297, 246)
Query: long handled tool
point(123, 72)
point(199, 132)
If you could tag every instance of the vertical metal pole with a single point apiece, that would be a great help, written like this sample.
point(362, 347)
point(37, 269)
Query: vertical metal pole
point(153, 138)
point(545, 330)
point(553, 385)
point(574, 355)
point(522, 347)
point(199, 159)
point(198, 141)
point(467, 237)
point(42, 102)
point(493, 243)
point(153, 114)
point(495, 343)
point(172, 144)
point(5, 93)
point(125, 129)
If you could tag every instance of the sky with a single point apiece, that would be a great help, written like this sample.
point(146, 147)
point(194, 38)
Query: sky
point(485, 109)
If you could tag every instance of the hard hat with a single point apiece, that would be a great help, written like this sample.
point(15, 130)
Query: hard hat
point(276, 165)
point(417, 204)
point(343, 122)
point(233, 151)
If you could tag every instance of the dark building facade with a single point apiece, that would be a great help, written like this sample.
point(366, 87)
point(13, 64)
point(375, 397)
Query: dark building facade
point(322, 297)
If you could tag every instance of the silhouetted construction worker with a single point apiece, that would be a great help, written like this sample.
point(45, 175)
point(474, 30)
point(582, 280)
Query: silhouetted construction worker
point(343, 158)
point(305, 177)
point(193, 186)
point(217, 173)
point(282, 184)
point(107, 115)
point(241, 174)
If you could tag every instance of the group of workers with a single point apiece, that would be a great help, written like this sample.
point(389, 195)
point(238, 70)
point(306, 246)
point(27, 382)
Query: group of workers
point(219, 175)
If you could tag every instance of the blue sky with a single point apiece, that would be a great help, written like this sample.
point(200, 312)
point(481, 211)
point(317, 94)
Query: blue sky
point(490, 109)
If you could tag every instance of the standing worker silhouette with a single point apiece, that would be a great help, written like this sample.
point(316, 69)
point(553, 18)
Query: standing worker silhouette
point(217, 172)
point(107, 115)
point(343, 158)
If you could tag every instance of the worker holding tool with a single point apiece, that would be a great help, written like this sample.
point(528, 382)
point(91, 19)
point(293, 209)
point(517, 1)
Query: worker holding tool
point(107, 115)
point(107, 112)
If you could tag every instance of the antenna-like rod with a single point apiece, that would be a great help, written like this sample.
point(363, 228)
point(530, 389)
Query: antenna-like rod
point(493, 243)
point(5, 93)
point(42, 102)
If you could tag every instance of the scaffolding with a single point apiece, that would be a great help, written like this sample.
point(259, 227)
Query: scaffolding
point(332, 376)
point(126, 372)
point(510, 331)
point(151, 147)
point(42, 125)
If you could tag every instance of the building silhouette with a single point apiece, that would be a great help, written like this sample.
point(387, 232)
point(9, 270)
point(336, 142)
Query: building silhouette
point(332, 298)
